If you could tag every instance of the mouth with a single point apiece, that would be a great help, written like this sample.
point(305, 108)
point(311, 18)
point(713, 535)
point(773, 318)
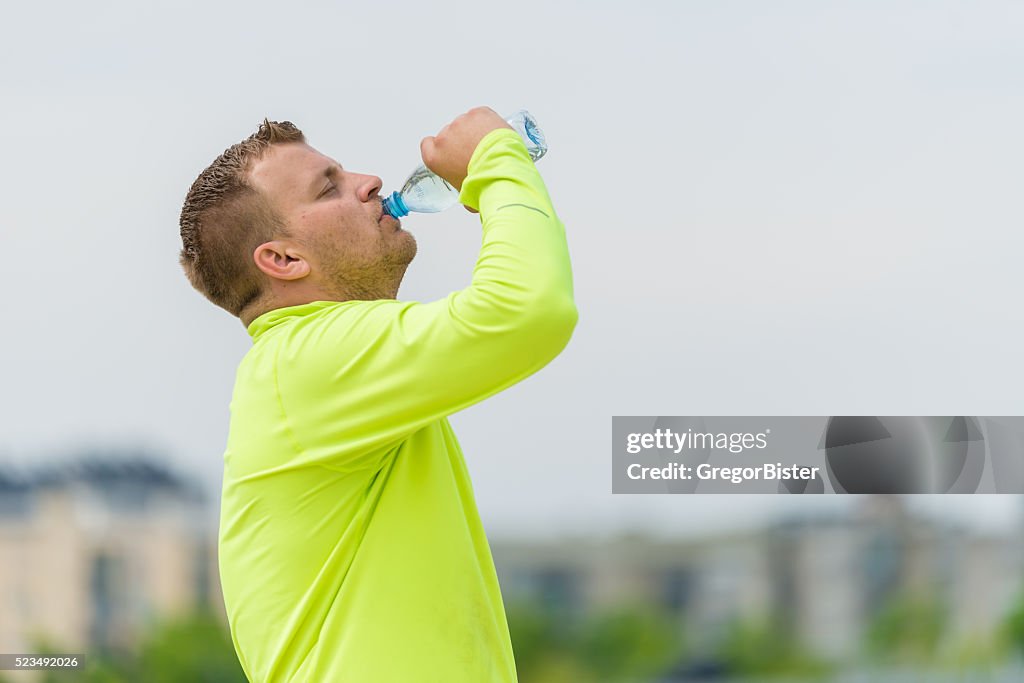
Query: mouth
point(386, 216)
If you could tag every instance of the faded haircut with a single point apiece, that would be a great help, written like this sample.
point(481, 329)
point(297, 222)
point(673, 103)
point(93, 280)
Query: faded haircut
point(224, 218)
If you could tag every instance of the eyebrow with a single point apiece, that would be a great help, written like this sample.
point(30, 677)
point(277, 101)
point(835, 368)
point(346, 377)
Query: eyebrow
point(317, 185)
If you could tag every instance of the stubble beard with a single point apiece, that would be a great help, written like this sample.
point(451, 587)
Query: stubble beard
point(369, 281)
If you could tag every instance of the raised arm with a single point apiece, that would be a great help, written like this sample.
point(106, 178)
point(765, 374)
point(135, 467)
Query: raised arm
point(370, 373)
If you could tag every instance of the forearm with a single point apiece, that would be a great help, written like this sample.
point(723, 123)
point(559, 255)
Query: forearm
point(523, 270)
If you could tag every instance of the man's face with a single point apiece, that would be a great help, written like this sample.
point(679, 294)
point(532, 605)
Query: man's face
point(353, 248)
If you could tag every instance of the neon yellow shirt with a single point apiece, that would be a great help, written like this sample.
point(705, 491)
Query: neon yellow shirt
point(350, 547)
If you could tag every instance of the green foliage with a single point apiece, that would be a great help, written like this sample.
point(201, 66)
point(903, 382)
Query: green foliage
point(764, 650)
point(979, 652)
point(907, 631)
point(560, 667)
point(630, 644)
point(193, 649)
point(534, 635)
point(197, 649)
point(1012, 628)
point(623, 644)
point(98, 669)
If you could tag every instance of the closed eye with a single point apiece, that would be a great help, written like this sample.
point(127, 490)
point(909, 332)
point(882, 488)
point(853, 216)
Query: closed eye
point(327, 190)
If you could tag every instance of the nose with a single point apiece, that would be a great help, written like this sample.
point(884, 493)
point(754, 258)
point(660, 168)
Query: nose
point(369, 187)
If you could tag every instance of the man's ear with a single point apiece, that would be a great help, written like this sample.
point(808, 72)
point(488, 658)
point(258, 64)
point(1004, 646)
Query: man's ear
point(281, 260)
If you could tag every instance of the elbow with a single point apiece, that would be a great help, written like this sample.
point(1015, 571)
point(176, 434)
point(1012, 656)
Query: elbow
point(568, 318)
point(551, 323)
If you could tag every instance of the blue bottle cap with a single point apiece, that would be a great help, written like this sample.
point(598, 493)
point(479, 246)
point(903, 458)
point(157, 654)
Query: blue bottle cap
point(395, 206)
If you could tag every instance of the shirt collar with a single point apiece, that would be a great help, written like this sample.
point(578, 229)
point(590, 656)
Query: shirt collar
point(279, 316)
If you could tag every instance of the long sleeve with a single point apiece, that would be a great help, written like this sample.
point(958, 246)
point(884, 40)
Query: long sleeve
point(359, 376)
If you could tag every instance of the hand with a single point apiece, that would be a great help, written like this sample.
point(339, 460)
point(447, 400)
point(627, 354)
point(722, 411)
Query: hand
point(448, 153)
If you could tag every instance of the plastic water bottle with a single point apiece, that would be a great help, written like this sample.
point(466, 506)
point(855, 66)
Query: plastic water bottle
point(426, 192)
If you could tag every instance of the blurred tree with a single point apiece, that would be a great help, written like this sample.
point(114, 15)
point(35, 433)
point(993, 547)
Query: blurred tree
point(104, 670)
point(96, 668)
point(193, 649)
point(1012, 628)
point(542, 643)
point(561, 667)
point(197, 649)
point(977, 652)
point(630, 643)
point(907, 631)
point(765, 650)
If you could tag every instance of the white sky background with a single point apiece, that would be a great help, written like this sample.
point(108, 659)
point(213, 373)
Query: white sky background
point(788, 208)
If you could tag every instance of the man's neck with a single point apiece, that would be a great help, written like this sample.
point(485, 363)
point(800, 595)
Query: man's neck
point(298, 296)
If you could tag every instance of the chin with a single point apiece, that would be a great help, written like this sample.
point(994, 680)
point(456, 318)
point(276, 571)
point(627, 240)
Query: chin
point(409, 248)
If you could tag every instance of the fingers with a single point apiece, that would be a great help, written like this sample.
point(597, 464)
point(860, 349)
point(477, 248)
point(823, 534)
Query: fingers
point(427, 149)
point(448, 153)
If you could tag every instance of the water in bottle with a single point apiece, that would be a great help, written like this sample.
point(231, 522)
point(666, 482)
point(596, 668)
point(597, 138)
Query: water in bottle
point(426, 192)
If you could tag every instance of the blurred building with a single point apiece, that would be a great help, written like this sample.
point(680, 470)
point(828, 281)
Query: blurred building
point(94, 550)
point(823, 579)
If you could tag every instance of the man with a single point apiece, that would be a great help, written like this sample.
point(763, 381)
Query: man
point(350, 545)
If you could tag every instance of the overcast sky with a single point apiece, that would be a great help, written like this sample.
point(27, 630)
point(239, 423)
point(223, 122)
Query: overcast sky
point(788, 208)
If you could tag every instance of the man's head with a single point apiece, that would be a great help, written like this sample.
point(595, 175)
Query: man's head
point(272, 222)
